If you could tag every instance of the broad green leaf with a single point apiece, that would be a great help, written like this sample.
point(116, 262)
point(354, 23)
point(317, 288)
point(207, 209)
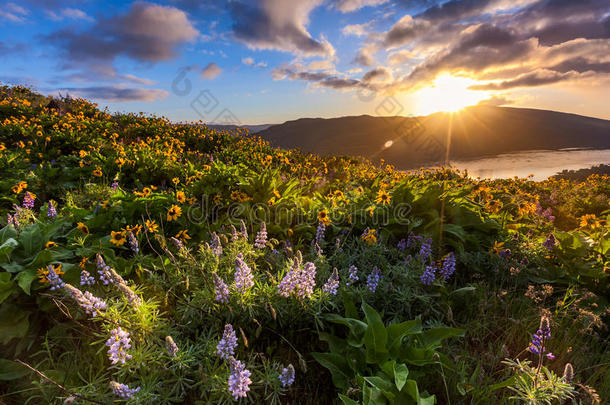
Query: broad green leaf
point(7, 248)
point(401, 372)
point(338, 367)
point(14, 322)
point(7, 286)
point(11, 370)
point(24, 280)
point(6, 233)
point(397, 332)
point(347, 401)
point(432, 338)
point(384, 385)
point(375, 337)
point(31, 240)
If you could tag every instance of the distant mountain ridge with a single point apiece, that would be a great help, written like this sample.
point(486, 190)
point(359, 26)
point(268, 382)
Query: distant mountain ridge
point(409, 142)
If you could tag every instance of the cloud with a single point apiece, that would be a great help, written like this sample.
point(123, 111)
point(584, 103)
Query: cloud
point(537, 78)
point(117, 94)
point(364, 57)
point(348, 6)
point(7, 49)
point(496, 101)
point(317, 79)
point(148, 33)
point(70, 13)
point(399, 57)
point(358, 30)
point(211, 71)
point(321, 65)
point(377, 75)
point(251, 62)
point(278, 25)
point(13, 12)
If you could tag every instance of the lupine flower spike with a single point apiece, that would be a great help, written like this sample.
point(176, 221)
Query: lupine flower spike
point(261, 237)
point(221, 290)
point(239, 380)
point(118, 343)
point(227, 344)
point(353, 275)
point(332, 284)
point(171, 346)
point(243, 275)
point(123, 391)
point(287, 376)
point(372, 281)
point(429, 275)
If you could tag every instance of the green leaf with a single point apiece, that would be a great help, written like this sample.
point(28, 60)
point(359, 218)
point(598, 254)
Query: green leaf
point(7, 286)
point(7, 248)
point(375, 337)
point(401, 372)
point(397, 332)
point(12, 267)
point(338, 367)
point(24, 280)
point(6, 233)
point(31, 240)
point(384, 385)
point(11, 370)
point(357, 328)
point(432, 338)
point(347, 401)
point(372, 396)
point(14, 323)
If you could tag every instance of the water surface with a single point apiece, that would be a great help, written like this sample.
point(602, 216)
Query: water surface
point(541, 163)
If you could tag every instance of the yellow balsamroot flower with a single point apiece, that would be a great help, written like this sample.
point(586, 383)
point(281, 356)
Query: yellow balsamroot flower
point(19, 187)
point(183, 235)
point(43, 272)
point(151, 225)
point(83, 262)
point(526, 207)
point(180, 196)
point(382, 197)
point(369, 236)
point(176, 180)
point(271, 201)
point(97, 172)
point(276, 194)
point(589, 221)
point(494, 206)
point(174, 213)
point(83, 154)
point(133, 229)
point(50, 244)
point(323, 217)
point(497, 247)
point(118, 238)
point(84, 229)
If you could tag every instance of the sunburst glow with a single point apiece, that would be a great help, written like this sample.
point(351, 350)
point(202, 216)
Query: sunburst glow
point(448, 94)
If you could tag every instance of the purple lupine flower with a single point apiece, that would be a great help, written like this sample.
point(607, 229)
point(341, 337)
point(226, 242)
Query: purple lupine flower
point(243, 229)
point(87, 301)
point(86, 278)
point(538, 343)
point(243, 275)
point(239, 380)
point(413, 239)
point(286, 377)
point(548, 214)
point(550, 242)
point(525, 261)
point(353, 275)
point(425, 250)
point(505, 253)
point(429, 275)
point(28, 200)
point(448, 266)
point(114, 185)
point(51, 211)
point(92, 304)
point(123, 391)
point(118, 343)
point(299, 281)
point(408, 259)
point(103, 270)
point(10, 220)
point(171, 346)
point(54, 279)
point(338, 245)
point(402, 244)
point(332, 284)
point(261, 237)
point(221, 290)
point(372, 281)
point(215, 245)
point(133, 242)
point(227, 344)
point(320, 231)
point(177, 242)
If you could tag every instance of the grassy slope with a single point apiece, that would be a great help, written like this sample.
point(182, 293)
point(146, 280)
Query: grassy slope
point(73, 155)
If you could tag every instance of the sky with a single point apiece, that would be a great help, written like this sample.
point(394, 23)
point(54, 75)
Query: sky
point(269, 61)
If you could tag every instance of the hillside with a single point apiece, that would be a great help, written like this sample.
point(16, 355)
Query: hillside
point(162, 263)
point(476, 131)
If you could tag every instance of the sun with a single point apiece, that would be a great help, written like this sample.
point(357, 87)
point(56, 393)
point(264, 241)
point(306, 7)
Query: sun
point(447, 94)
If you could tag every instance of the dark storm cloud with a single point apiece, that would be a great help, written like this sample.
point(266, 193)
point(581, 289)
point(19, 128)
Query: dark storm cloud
point(277, 24)
point(318, 79)
point(117, 94)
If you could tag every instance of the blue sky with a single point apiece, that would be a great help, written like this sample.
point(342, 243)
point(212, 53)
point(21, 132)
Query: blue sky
point(267, 61)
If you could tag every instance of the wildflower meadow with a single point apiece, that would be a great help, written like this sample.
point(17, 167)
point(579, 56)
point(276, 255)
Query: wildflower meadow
point(148, 262)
